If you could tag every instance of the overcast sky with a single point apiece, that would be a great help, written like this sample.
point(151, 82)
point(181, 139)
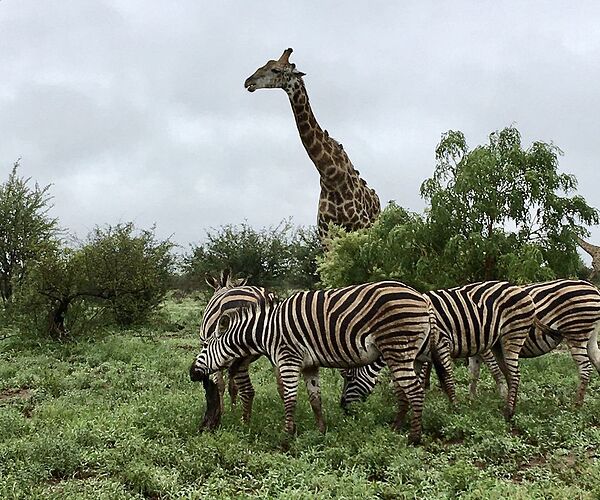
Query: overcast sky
point(136, 110)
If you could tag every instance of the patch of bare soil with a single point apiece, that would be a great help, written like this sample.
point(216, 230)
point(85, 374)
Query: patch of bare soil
point(15, 393)
point(524, 466)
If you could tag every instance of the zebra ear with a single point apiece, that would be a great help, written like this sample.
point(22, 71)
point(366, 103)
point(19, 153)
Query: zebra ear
point(232, 283)
point(212, 282)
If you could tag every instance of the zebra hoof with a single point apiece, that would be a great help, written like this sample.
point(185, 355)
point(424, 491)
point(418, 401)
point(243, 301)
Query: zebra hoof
point(414, 438)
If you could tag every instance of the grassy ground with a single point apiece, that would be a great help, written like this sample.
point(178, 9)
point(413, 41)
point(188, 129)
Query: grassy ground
point(116, 417)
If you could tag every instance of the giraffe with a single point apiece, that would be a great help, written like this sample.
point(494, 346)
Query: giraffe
point(345, 198)
point(594, 251)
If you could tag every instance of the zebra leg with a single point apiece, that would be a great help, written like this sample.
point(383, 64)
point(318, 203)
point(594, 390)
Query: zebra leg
point(232, 389)
point(474, 370)
point(425, 375)
point(408, 389)
point(280, 389)
point(500, 377)
point(290, 374)
point(240, 379)
point(592, 348)
point(506, 354)
point(443, 368)
point(578, 348)
point(313, 387)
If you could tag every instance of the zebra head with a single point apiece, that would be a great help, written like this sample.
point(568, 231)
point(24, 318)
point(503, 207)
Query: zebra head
point(228, 328)
point(221, 285)
point(359, 383)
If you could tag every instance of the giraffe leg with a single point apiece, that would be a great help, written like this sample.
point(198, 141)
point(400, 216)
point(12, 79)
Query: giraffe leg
point(579, 352)
point(313, 387)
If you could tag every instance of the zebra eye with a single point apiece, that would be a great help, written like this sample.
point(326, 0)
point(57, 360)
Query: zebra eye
point(222, 325)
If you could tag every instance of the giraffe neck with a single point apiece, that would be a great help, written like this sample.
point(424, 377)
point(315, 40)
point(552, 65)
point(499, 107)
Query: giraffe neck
point(326, 153)
point(593, 250)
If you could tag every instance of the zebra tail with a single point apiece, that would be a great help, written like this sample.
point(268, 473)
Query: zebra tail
point(555, 334)
point(592, 347)
point(434, 332)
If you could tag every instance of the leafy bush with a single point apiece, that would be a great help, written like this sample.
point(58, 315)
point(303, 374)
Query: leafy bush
point(130, 269)
point(118, 271)
point(274, 257)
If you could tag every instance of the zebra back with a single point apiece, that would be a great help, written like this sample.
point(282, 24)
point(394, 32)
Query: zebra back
point(473, 317)
point(567, 308)
point(331, 328)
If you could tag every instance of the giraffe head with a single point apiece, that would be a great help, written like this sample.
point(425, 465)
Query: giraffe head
point(274, 74)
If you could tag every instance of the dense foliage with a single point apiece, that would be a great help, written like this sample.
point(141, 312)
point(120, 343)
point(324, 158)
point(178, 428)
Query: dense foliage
point(496, 212)
point(26, 229)
point(129, 269)
point(274, 257)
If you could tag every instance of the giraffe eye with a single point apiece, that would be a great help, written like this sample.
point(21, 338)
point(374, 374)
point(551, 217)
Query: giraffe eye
point(275, 70)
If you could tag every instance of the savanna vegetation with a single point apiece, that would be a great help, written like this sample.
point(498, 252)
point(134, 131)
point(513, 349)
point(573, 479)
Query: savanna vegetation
point(115, 416)
point(98, 333)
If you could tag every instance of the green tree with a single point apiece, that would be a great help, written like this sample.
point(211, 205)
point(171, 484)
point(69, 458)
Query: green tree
point(496, 212)
point(117, 270)
point(506, 211)
point(399, 245)
point(26, 229)
point(55, 293)
point(274, 257)
point(130, 269)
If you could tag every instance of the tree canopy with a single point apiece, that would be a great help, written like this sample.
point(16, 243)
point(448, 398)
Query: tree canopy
point(26, 229)
point(498, 211)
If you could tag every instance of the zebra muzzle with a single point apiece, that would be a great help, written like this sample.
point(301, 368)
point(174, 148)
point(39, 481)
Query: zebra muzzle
point(197, 374)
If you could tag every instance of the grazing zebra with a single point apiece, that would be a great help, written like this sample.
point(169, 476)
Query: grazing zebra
point(238, 377)
point(339, 328)
point(565, 309)
point(471, 319)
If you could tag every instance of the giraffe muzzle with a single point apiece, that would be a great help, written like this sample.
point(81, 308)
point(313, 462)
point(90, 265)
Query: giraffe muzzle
point(250, 85)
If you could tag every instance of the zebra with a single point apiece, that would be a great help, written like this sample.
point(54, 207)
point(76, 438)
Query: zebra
point(336, 328)
point(221, 284)
point(565, 309)
point(471, 319)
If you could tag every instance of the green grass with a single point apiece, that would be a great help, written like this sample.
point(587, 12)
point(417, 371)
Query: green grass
point(116, 417)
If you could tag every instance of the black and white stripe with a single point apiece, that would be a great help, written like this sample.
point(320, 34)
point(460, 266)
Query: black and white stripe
point(565, 309)
point(340, 328)
point(475, 318)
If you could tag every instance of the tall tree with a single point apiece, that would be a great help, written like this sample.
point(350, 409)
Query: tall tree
point(25, 229)
point(501, 207)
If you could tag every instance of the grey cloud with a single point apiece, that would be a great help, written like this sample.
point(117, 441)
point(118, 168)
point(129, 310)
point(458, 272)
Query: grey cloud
point(136, 110)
